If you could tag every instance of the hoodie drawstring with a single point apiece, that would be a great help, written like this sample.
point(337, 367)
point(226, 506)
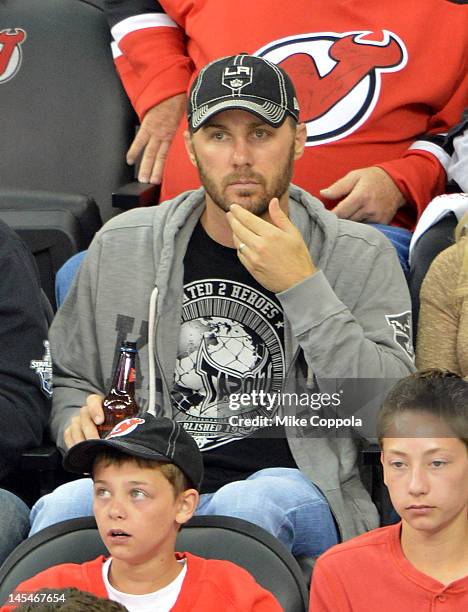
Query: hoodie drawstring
point(152, 375)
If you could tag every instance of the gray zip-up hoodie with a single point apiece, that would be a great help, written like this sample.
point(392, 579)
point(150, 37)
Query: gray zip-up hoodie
point(130, 286)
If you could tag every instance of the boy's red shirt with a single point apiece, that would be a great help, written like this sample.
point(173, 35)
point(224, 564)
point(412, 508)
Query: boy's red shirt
point(370, 572)
point(210, 585)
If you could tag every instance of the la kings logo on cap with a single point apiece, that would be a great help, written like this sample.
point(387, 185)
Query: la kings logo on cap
point(43, 368)
point(237, 77)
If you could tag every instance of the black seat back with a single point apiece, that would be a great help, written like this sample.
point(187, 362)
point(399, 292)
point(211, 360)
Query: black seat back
point(214, 537)
point(54, 226)
point(66, 122)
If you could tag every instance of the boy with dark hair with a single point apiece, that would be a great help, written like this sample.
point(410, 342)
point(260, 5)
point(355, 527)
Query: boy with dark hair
point(147, 473)
point(420, 564)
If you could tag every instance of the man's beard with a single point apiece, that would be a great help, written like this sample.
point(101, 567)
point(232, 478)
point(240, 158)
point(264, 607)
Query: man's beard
point(258, 205)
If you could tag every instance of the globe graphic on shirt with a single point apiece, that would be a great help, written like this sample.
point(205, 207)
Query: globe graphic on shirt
point(215, 354)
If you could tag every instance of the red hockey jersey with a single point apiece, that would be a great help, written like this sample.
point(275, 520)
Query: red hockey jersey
point(372, 78)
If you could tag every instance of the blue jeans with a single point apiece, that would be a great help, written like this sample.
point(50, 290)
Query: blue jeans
point(14, 522)
point(281, 500)
point(66, 275)
point(400, 238)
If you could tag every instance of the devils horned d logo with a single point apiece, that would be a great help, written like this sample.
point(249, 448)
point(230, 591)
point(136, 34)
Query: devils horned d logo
point(337, 76)
point(125, 427)
point(10, 52)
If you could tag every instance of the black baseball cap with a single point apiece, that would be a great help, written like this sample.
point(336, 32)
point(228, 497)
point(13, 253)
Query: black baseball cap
point(154, 438)
point(244, 82)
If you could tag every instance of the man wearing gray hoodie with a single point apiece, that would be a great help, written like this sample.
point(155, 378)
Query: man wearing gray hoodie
point(229, 291)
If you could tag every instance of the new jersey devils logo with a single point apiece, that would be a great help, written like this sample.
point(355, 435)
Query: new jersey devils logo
point(337, 76)
point(10, 52)
point(125, 427)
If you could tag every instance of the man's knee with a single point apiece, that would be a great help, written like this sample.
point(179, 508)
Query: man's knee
point(287, 505)
point(267, 492)
point(248, 501)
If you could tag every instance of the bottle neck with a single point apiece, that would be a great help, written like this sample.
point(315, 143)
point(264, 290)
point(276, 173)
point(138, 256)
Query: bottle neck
point(124, 379)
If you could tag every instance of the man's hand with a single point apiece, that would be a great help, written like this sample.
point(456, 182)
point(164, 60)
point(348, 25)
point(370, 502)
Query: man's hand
point(83, 425)
point(154, 137)
point(369, 194)
point(274, 253)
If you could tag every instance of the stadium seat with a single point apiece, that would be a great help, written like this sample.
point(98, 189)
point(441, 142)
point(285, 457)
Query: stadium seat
point(214, 537)
point(54, 226)
point(66, 122)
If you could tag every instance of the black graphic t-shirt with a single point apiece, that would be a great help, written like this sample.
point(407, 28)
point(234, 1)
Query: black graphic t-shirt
point(231, 342)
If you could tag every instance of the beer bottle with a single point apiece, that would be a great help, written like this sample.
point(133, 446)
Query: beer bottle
point(119, 403)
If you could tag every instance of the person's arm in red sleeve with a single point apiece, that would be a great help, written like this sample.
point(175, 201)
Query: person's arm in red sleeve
point(420, 174)
point(376, 193)
point(150, 57)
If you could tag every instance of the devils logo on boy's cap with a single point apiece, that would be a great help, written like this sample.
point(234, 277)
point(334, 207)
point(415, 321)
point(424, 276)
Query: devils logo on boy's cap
point(125, 427)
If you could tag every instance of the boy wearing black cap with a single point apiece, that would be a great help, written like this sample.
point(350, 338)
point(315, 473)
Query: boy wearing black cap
point(146, 475)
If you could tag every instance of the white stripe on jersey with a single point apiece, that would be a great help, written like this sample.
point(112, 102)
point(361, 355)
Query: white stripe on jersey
point(116, 52)
point(140, 22)
point(430, 147)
